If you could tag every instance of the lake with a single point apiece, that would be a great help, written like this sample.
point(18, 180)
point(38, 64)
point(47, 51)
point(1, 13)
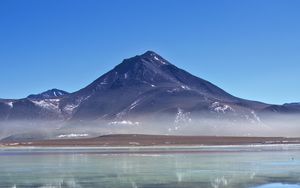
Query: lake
point(268, 166)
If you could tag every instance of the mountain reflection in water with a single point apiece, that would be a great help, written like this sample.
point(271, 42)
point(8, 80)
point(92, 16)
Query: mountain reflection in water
point(215, 167)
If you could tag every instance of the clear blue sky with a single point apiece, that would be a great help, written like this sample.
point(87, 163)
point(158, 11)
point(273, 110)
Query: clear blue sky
point(250, 48)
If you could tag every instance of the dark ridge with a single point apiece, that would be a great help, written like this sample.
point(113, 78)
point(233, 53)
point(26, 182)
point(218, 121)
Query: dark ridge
point(49, 94)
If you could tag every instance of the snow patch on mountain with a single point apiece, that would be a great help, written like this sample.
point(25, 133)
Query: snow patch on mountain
point(10, 104)
point(185, 87)
point(159, 60)
point(134, 104)
point(69, 108)
point(72, 135)
point(57, 93)
point(255, 116)
point(221, 108)
point(50, 104)
point(125, 122)
point(126, 75)
point(156, 58)
point(181, 119)
point(50, 94)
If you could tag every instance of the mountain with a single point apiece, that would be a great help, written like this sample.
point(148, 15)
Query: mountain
point(149, 84)
point(143, 88)
point(285, 108)
point(34, 107)
point(50, 94)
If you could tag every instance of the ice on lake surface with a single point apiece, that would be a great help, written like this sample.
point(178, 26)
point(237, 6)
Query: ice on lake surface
point(276, 166)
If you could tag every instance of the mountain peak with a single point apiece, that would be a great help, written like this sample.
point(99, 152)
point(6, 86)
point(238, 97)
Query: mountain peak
point(149, 53)
point(147, 58)
point(148, 61)
point(153, 57)
point(148, 69)
point(49, 94)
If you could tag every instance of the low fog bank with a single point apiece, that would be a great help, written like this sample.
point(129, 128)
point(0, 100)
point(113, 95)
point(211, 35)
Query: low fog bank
point(37, 129)
point(269, 126)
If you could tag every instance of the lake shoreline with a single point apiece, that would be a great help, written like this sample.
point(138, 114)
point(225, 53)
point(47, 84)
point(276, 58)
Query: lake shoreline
point(139, 140)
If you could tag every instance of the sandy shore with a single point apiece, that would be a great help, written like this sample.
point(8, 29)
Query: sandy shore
point(154, 140)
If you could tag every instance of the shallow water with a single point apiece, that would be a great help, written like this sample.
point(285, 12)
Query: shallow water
point(152, 167)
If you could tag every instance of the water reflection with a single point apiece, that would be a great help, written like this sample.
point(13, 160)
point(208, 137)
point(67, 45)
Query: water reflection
point(217, 169)
point(279, 185)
